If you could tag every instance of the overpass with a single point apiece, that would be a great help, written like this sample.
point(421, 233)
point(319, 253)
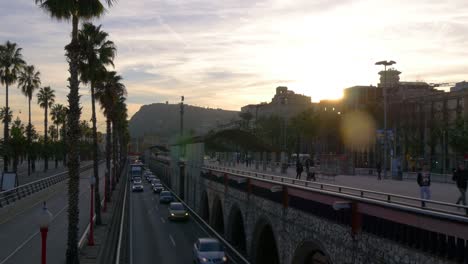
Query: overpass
point(275, 219)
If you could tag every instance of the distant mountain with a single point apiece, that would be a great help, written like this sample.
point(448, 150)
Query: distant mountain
point(163, 120)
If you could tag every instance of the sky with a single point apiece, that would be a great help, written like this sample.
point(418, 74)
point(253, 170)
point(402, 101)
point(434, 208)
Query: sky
point(229, 53)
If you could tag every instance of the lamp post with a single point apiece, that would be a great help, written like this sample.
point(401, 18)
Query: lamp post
point(92, 181)
point(384, 89)
point(181, 116)
point(44, 219)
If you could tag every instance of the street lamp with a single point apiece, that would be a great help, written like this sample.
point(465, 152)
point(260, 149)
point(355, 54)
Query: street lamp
point(44, 219)
point(92, 181)
point(384, 89)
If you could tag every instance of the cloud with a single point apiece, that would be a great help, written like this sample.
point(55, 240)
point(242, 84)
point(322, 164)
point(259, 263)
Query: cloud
point(234, 52)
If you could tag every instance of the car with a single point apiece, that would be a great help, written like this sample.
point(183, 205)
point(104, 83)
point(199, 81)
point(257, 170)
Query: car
point(165, 197)
point(177, 211)
point(137, 187)
point(155, 181)
point(158, 188)
point(137, 181)
point(209, 250)
point(151, 178)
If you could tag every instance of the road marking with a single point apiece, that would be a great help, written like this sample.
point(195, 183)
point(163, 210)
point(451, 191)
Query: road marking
point(33, 235)
point(162, 220)
point(157, 207)
point(172, 240)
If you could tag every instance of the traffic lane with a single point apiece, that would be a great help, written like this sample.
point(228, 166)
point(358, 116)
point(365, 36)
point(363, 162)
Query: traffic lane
point(155, 237)
point(149, 239)
point(22, 231)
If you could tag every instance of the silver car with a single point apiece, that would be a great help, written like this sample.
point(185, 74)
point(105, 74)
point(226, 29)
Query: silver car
point(209, 250)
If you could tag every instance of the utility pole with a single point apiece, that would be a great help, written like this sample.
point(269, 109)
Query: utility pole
point(181, 116)
point(384, 89)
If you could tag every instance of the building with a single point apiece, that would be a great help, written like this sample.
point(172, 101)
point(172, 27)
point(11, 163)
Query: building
point(285, 103)
point(459, 86)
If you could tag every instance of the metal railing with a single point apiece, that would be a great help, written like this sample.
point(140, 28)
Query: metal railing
point(10, 196)
point(431, 207)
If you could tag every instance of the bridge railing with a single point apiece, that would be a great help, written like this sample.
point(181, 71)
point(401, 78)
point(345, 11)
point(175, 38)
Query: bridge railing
point(10, 196)
point(386, 199)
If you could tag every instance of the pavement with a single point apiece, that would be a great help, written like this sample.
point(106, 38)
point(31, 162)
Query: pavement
point(155, 239)
point(440, 191)
point(20, 234)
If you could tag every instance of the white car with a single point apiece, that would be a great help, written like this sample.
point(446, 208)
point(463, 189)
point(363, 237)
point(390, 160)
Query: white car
point(209, 250)
point(137, 187)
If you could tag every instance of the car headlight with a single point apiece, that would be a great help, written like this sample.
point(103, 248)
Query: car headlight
point(224, 258)
point(172, 214)
point(204, 259)
point(186, 214)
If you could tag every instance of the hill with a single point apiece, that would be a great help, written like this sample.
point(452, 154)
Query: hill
point(163, 120)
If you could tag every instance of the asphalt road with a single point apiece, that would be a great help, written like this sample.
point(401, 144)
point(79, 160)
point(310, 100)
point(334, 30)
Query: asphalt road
point(19, 235)
point(155, 239)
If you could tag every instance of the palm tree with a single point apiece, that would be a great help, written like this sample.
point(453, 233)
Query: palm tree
point(56, 113)
point(29, 80)
point(74, 10)
point(11, 62)
point(108, 91)
point(96, 52)
point(45, 99)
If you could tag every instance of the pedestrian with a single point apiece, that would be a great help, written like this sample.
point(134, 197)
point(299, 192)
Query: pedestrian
point(424, 182)
point(460, 176)
point(379, 170)
point(299, 169)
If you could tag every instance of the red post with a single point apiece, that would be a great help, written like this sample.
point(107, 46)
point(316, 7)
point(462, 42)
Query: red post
point(91, 216)
point(44, 245)
point(356, 219)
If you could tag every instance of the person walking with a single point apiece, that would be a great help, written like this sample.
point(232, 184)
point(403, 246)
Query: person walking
point(460, 176)
point(299, 169)
point(424, 182)
point(379, 170)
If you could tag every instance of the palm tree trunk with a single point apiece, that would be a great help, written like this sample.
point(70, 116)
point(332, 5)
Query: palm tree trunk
point(108, 159)
point(72, 254)
point(29, 137)
point(46, 147)
point(97, 197)
point(5, 130)
point(114, 149)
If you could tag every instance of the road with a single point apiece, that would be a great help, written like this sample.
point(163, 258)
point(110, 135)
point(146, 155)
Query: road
point(153, 238)
point(20, 234)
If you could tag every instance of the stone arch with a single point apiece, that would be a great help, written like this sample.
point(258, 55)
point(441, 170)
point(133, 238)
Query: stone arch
point(264, 244)
point(217, 216)
point(236, 230)
point(311, 252)
point(205, 207)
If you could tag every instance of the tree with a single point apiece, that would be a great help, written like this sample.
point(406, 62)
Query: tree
point(29, 80)
point(17, 142)
point(57, 115)
point(11, 62)
point(96, 52)
point(45, 99)
point(245, 118)
point(458, 136)
point(74, 10)
point(304, 125)
point(108, 92)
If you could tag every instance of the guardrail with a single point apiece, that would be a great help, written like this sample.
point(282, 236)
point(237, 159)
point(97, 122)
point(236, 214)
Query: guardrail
point(10, 196)
point(432, 207)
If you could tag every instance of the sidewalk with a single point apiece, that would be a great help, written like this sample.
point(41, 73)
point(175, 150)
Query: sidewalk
point(440, 191)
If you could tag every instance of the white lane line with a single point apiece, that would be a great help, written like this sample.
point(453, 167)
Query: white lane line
point(172, 240)
point(162, 220)
point(157, 207)
point(119, 245)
